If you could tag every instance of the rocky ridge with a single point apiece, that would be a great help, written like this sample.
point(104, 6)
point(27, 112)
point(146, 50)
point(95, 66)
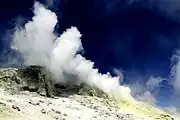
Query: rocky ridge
point(31, 94)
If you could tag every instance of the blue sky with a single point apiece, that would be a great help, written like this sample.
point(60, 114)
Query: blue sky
point(122, 35)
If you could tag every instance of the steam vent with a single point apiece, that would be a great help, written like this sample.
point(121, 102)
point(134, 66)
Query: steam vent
point(31, 93)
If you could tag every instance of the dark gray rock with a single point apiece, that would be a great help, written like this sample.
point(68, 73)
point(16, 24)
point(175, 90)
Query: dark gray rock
point(38, 79)
point(32, 78)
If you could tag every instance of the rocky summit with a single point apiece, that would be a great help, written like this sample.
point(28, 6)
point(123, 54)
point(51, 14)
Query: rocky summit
point(31, 93)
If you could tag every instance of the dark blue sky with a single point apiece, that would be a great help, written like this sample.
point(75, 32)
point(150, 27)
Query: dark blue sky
point(128, 36)
point(116, 34)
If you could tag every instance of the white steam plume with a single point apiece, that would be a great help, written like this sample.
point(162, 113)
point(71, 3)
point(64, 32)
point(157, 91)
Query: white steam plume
point(40, 46)
point(176, 73)
point(35, 41)
point(175, 77)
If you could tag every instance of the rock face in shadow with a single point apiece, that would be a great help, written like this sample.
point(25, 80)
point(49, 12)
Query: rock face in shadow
point(82, 89)
point(38, 79)
point(32, 78)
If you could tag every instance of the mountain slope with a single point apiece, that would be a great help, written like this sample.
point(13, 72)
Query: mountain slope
point(25, 97)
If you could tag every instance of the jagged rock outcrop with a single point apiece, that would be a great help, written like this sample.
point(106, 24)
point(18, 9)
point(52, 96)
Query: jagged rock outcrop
point(39, 79)
point(31, 78)
point(9, 79)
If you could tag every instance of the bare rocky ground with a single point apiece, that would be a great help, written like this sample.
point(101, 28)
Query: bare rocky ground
point(29, 94)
